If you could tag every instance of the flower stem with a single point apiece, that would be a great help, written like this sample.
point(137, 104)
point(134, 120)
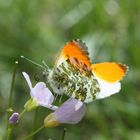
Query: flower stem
point(63, 134)
point(9, 130)
point(35, 132)
point(20, 115)
point(34, 122)
point(9, 127)
point(12, 86)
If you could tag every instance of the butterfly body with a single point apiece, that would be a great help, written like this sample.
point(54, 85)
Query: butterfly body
point(75, 76)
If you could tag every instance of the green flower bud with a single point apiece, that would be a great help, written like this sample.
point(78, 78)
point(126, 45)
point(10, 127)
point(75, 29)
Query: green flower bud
point(31, 104)
point(51, 121)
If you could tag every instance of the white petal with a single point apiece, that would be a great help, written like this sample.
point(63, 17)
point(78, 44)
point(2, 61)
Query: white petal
point(42, 94)
point(52, 107)
point(107, 89)
point(78, 105)
point(26, 76)
point(71, 111)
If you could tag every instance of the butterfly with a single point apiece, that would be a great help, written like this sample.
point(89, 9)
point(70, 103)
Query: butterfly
point(75, 76)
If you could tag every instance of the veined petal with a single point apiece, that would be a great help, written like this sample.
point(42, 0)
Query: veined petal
point(26, 76)
point(52, 107)
point(42, 94)
point(71, 111)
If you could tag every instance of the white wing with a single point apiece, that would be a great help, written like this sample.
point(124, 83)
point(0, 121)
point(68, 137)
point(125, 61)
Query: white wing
point(107, 89)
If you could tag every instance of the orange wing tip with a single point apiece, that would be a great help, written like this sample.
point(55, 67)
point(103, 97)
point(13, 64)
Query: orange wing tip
point(124, 67)
point(82, 45)
point(75, 49)
point(79, 45)
point(110, 71)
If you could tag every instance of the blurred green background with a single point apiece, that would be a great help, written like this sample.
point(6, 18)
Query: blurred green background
point(39, 28)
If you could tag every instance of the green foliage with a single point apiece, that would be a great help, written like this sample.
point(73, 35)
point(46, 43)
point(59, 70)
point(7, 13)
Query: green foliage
point(39, 28)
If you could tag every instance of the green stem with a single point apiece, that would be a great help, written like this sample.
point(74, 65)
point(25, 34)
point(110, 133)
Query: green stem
point(34, 122)
point(35, 132)
point(9, 130)
point(63, 134)
point(20, 115)
point(12, 86)
point(9, 127)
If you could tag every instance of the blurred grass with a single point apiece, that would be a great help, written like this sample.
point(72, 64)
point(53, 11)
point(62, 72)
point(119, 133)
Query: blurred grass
point(38, 29)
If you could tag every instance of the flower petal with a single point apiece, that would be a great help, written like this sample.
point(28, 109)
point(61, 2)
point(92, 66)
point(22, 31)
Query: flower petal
point(42, 94)
point(26, 76)
point(71, 111)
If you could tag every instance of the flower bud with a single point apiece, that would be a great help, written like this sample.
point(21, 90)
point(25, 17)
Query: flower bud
point(31, 104)
point(51, 121)
point(14, 118)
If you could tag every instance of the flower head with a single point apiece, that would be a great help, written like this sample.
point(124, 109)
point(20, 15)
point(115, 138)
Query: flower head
point(70, 112)
point(40, 95)
point(14, 118)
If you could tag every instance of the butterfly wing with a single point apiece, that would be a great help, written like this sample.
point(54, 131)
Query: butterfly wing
point(74, 50)
point(107, 89)
point(108, 75)
point(109, 71)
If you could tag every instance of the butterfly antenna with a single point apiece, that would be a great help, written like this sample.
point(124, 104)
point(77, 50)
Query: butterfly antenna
point(44, 63)
point(32, 62)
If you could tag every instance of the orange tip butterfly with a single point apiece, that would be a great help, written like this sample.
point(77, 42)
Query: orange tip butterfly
point(76, 76)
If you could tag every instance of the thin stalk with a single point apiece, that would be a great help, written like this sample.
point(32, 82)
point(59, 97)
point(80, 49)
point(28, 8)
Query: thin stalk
point(20, 115)
point(35, 132)
point(33, 62)
point(9, 131)
point(63, 134)
point(9, 127)
point(34, 123)
point(12, 86)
